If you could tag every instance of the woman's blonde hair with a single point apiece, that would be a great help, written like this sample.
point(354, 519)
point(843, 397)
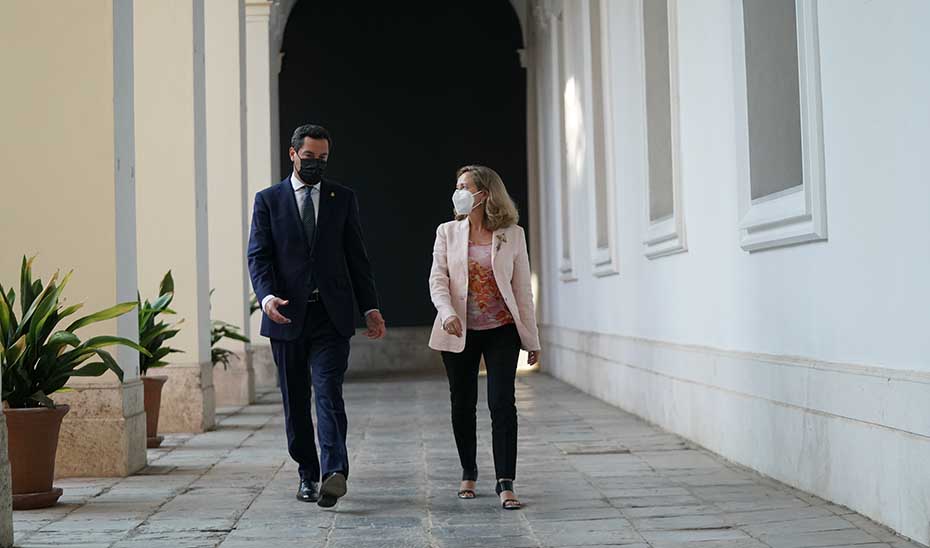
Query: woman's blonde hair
point(499, 211)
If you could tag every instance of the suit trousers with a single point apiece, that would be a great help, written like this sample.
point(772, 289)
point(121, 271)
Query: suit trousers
point(501, 349)
point(315, 362)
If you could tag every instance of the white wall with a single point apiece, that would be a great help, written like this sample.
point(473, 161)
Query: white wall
point(861, 297)
point(855, 306)
point(84, 218)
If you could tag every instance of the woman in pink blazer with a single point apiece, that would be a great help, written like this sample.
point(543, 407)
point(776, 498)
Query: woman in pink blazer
point(480, 285)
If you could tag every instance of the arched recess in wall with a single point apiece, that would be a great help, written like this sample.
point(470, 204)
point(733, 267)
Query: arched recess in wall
point(410, 91)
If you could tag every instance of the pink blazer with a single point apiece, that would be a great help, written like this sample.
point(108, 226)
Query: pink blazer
point(448, 282)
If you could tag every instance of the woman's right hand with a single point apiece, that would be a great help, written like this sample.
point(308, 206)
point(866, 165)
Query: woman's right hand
point(453, 326)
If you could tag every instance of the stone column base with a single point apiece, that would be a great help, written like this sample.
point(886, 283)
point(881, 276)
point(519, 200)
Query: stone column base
point(188, 401)
point(6, 490)
point(104, 433)
point(266, 374)
point(235, 385)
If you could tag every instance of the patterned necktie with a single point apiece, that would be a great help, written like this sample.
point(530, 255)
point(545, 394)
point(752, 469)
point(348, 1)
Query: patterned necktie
point(309, 215)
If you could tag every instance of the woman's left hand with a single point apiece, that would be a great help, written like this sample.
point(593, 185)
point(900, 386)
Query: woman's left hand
point(533, 358)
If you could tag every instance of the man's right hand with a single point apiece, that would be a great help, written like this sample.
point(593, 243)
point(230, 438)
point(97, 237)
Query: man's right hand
point(271, 310)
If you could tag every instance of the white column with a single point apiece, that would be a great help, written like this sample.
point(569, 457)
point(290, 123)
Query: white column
point(227, 190)
point(69, 66)
point(260, 157)
point(529, 56)
point(171, 200)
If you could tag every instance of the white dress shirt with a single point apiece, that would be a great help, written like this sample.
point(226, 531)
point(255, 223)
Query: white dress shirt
point(300, 193)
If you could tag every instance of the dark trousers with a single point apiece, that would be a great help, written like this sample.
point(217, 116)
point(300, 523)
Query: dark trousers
point(501, 349)
point(319, 358)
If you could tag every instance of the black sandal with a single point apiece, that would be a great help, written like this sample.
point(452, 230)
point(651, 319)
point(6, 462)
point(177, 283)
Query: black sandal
point(507, 504)
point(468, 494)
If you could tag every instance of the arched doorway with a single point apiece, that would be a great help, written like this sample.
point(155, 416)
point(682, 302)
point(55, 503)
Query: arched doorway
point(410, 91)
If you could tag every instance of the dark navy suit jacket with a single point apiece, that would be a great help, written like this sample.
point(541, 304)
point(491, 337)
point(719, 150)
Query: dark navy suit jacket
point(280, 259)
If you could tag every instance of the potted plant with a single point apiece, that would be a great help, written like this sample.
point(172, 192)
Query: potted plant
point(221, 330)
point(152, 336)
point(37, 357)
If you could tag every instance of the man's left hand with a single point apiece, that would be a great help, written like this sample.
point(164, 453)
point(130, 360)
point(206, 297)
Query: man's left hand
point(376, 326)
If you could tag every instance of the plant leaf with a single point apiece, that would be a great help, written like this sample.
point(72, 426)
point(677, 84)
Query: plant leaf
point(25, 283)
point(27, 314)
point(40, 397)
point(162, 333)
point(59, 340)
point(15, 352)
point(167, 284)
point(162, 302)
point(236, 336)
point(6, 317)
point(94, 369)
point(70, 310)
point(74, 357)
point(111, 363)
point(46, 308)
point(110, 340)
point(103, 315)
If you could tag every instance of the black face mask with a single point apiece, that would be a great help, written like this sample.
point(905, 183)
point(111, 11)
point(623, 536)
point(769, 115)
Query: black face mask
point(311, 170)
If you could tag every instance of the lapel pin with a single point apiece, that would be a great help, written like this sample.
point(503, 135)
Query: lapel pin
point(332, 194)
point(501, 239)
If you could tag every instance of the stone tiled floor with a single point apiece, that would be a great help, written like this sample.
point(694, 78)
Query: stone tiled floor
point(589, 474)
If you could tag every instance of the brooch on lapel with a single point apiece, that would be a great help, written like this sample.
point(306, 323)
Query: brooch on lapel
point(332, 194)
point(501, 239)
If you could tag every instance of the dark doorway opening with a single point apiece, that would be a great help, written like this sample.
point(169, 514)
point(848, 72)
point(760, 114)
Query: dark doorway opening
point(410, 91)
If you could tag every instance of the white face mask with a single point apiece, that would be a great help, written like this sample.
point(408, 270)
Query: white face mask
point(464, 201)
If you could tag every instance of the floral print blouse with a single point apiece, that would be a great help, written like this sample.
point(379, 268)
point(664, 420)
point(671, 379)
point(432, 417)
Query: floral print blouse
point(486, 308)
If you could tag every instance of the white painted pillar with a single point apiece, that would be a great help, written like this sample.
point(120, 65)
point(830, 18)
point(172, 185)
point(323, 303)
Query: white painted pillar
point(227, 190)
point(530, 60)
point(260, 156)
point(171, 198)
point(70, 101)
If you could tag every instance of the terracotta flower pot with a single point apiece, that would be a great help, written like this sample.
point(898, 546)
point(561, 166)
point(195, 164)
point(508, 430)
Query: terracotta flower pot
point(33, 442)
point(152, 387)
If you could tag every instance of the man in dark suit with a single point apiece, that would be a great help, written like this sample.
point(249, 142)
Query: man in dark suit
point(306, 258)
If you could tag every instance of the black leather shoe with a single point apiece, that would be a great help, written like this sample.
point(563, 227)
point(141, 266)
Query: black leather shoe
point(308, 491)
point(333, 488)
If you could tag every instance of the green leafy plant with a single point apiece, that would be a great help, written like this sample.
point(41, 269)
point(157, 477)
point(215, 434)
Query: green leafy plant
point(220, 330)
point(37, 357)
point(254, 305)
point(153, 332)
